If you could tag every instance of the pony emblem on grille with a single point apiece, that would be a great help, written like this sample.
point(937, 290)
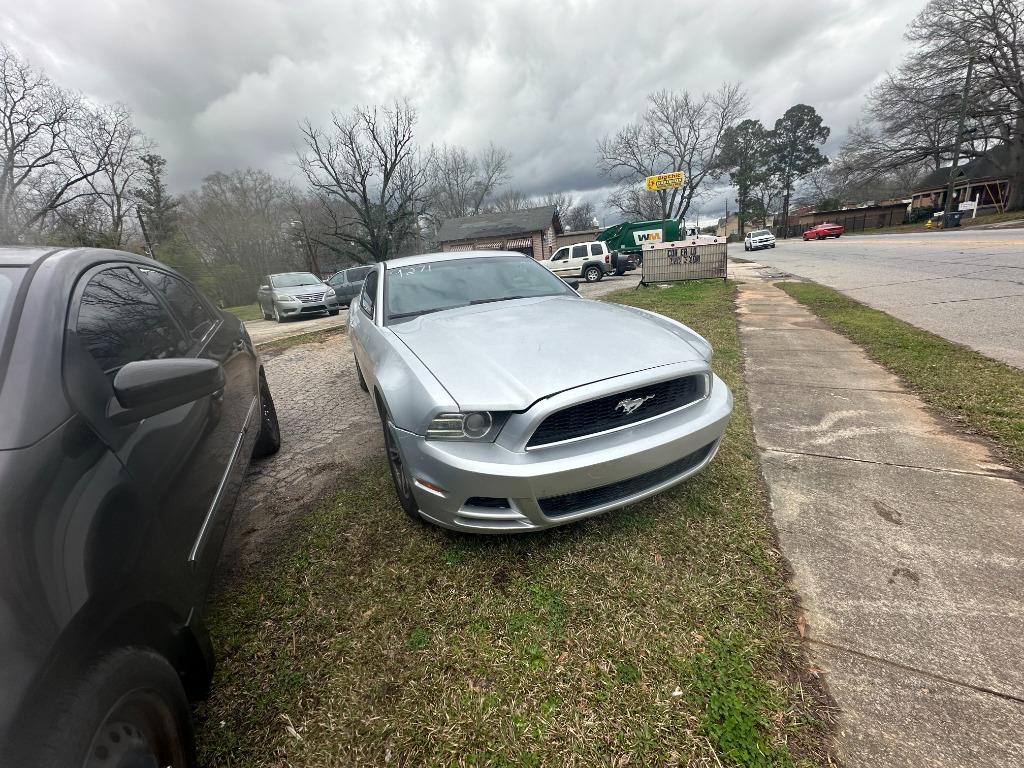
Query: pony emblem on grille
point(628, 406)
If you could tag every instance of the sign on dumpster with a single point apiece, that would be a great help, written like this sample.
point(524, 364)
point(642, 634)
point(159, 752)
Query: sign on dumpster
point(665, 181)
point(696, 258)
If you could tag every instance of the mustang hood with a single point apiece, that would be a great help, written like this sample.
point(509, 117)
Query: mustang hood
point(507, 355)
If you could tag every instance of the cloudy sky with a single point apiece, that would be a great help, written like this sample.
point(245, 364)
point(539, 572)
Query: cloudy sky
point(222, 84)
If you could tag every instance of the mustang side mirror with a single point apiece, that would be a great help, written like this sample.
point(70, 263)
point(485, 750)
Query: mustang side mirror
point(148, 387)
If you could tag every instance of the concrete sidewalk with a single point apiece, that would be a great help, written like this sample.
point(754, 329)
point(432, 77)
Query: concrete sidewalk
point(906, 543)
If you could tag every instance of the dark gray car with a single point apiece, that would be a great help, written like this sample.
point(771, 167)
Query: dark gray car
point(130, 407)
point(348, 282)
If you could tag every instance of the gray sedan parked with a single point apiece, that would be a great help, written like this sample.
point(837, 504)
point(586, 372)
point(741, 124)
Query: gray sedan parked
point(499, 415)
point(294, 294)
point(348, 282)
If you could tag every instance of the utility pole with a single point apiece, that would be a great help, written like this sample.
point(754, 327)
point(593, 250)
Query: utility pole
point(145, 234)
point(959, 138)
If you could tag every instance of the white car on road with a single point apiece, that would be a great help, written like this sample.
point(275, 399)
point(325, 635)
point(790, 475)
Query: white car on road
point(759, 238)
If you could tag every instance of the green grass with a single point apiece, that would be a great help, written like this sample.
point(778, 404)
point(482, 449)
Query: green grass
point(972, 390)
point(246, 312)
point(658, 635)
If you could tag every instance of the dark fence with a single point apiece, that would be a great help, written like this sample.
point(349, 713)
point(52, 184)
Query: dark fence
point(852, 220)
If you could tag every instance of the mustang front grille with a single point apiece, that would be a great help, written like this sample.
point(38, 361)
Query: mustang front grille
point(566, 504)
point(618, 410)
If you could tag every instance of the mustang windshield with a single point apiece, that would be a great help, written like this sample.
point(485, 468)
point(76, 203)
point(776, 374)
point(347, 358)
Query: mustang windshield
point(418, 289)
point(294, 280)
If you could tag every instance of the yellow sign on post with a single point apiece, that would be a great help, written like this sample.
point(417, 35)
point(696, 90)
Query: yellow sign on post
point(665, 181)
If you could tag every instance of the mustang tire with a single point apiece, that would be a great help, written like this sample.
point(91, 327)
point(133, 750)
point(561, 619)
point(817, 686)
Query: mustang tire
point(403, 484)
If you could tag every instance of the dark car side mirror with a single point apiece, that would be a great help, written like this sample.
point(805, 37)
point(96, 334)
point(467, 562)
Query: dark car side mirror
point(148, 387)
point(574, 284)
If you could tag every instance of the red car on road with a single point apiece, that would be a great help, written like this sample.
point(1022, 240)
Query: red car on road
point(821, 231)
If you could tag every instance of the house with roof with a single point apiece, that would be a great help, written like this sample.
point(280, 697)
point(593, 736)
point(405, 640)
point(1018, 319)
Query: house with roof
point(981, 180)
point(531, 231)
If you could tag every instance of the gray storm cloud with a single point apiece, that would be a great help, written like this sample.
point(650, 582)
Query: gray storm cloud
point(221, 84)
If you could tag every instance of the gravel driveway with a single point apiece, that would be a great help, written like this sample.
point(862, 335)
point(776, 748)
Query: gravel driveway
point(328, 429)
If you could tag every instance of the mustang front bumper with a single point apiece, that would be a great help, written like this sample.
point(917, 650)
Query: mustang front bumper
point(488, 488)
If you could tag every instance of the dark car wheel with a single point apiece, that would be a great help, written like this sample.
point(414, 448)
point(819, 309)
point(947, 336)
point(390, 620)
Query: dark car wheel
point(268, 441)
point(127, 711)
point(277, 315)
point(333, 312)
point(593, 274)
point(403, 485)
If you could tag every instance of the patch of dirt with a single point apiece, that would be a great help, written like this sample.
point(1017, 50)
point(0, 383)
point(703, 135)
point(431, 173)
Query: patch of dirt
point(329, 428)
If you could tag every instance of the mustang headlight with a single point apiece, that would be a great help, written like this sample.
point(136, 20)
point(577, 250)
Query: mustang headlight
point(479, 426)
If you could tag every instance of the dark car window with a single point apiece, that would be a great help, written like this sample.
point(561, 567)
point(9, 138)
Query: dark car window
point(193, 313)
point(357, 274)
point(369, 298)
point(338, 278)
point(121, 321)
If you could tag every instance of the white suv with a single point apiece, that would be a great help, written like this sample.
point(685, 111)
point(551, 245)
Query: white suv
point(759, 238)
point(590, 261)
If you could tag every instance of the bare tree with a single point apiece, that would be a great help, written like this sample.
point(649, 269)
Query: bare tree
point(242, 219)
point(113, 134)
point(462, 184)
point(579, 217)
point(511, 200)
point(49, 146)
point(678, 132)
point(912, 117)
point(368, 161)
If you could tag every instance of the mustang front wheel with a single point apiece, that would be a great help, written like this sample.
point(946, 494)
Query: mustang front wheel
point(403, 485)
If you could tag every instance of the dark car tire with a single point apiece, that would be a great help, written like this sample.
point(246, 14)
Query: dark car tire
point(264, 313)
point(593, 274)
point(772, 245)
point(400, 478)
point(277, 315)
point(268, 442)
point(620, 271)
point(333, 312)
point(128, 709)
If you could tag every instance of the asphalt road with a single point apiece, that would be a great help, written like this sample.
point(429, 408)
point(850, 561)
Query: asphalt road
point(967, 286)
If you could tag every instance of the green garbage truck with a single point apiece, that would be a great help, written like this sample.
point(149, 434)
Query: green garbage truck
point(628, 238)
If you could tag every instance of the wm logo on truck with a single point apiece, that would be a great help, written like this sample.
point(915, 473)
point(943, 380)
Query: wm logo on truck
point(647, 236)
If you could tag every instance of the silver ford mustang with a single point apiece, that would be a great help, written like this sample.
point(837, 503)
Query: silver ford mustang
point(509, 403)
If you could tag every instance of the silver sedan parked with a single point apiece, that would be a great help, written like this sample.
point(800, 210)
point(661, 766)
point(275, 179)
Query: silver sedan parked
point(295, 294)
point(501, 415)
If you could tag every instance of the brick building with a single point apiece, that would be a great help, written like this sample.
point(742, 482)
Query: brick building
point(532, 232)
